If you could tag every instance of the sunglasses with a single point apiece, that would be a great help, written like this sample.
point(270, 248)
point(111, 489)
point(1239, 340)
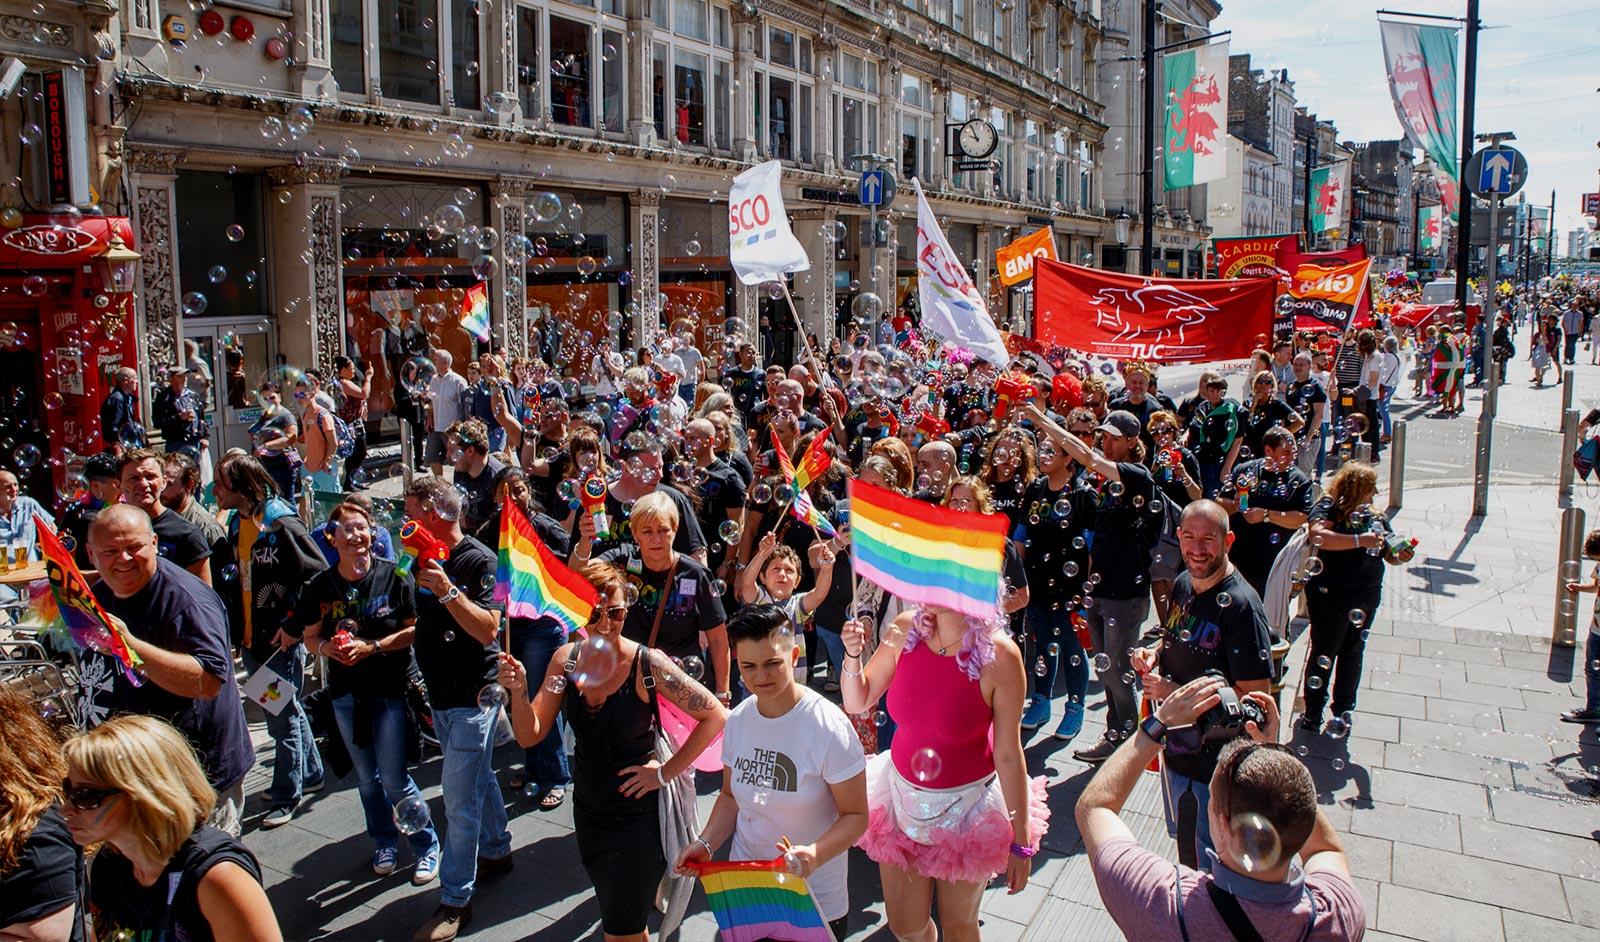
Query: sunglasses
point(614, 613)
point(1237, 759)
point(85, 798)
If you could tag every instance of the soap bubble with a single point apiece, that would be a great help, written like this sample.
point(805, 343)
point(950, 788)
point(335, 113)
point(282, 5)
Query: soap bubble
point(194, 304)
point(1256, 842)
point(1325, 662)
point(926, 765)
point(217, 274)
point(491, 697)
point(235, 233)
point(1224, 600)
point(416, 373)
point(694, 667)
point(1102, 663)
point(1358, 617)
point(597, 660)
point(26, 455)
point(729, 531)
point(1040, 668)
point(411, 815)
point(867, 306)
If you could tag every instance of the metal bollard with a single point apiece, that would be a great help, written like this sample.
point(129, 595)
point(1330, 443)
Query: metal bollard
point(1397, 465)
point(1567, 389)
point(1564, 630)
point(1569, 444)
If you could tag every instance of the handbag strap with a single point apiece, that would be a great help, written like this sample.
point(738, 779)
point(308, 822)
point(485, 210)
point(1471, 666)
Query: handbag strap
point(661, 606)
point(1233, 914)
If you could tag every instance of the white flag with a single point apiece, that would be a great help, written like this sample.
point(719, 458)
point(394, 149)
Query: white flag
point(952, 308)
point(761, 246)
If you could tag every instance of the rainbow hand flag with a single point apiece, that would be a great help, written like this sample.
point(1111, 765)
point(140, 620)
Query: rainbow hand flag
point(475, 311)
point(758, 899)
point(532, 582)
point(807, 513)
point(70, 612)
point(815, 462)
point(927, 555)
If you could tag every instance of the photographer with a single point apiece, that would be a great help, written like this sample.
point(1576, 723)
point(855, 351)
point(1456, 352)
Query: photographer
point(1263, 809)
point(1215, 626)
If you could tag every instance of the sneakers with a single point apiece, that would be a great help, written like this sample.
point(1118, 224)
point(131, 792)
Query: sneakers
point(1096, 754)
point(1584, 717)
point(384, 860)
point(426, 870)
point(446, 924)
point(1037, 714)
point(1071, 722)
point(494, 866)
point(277, 817)
point(316, 786)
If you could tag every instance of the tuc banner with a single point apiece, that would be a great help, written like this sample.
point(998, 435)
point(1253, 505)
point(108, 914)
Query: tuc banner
point(1253, 256)
point(1170, 320)
point(1331, 294)
point(1014, 262)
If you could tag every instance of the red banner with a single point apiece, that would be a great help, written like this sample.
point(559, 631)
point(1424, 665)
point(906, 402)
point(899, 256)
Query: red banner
point(1253, 256)
point(1421, 315)
point(1292, 260)
point(1170, 320)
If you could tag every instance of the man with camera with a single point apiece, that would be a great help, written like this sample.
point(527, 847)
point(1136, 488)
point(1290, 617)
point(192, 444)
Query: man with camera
point(1215, 626)
point(1263, 811)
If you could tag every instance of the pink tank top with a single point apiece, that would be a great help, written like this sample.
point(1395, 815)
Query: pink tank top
point(937, 707)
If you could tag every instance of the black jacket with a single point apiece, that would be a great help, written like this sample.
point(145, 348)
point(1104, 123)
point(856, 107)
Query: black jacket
point(283, 559)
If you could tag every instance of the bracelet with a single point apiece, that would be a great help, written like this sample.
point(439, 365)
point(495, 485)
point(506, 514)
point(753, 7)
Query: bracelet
point(1020, 850)
point(660, 779)
point(703, 843)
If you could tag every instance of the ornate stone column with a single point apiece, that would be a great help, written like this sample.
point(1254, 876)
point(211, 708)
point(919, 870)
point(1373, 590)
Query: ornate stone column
point(311, 75)
point(508, 197)
point(645, 210)
point(815, 286)
point(307, 273)
point(935, 175)
point(157, 329)
point(641, 126)
point(827, 48)
point(746, 136)
point(500, 65)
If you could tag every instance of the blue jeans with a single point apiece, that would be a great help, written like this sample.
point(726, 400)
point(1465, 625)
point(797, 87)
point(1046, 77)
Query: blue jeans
point(534, 644)
point(833, 643)
point(1173, 786)
point(295, 760)
point(1591, 671)
point(1383, 414)
point(1114, 627)
point(474, 811)
point(1051, 627)
point(381, 777)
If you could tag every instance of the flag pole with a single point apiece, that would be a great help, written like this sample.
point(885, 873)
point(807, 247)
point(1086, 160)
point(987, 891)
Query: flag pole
point(822, 368)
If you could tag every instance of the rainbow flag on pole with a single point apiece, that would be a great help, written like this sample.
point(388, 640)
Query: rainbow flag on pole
point(532, 582)
point(70, 612)
point(475, 311)
point(758, 899)
point(927, 555)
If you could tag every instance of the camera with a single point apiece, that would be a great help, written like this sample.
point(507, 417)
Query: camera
point(1226, 720)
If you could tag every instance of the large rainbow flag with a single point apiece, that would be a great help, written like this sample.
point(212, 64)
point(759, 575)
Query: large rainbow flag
point(532, 582)
point(758, 899)
point(70, 612)
point(927, 555)
point(475, 311)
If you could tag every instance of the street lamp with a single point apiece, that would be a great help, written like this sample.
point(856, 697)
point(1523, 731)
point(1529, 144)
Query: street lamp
point(117, 265)
point(1123, 223)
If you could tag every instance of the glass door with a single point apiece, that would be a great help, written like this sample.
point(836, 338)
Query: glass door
point(238, 357)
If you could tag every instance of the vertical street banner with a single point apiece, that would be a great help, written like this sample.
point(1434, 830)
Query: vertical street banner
point(1253, 256)
point(1430, 231)
point(1167, 320)
point(1197, 115)
point(761, 246)
point(952, 307)
point(1014, 262)
point(1421, 61)
point(1328, 195)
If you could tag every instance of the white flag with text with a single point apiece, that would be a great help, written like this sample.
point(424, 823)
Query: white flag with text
point(952, 307)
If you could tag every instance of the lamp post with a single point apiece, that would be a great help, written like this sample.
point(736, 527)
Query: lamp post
point(1123, 224)
point(118, 263)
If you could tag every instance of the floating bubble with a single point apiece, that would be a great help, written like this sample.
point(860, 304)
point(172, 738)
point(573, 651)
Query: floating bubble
point(1358, 617)
point(1313, 683)
point(491, 697)
point(416, 373)
point(1256, 842)
point(926, 765)
point(1313, 566)
point(1102, 663)
point(26, 455)
point(694, 667)
point(597, 660)
point(411, 815)
point(546, 207)
point(217, 274)
point(691, 247)
point(34, 285)
point(1325, 662)
point(729, 531)
point(1040, 668)
point(1224, 600)
point(235, 233)
point(194, 303)
point(556, 685)
point(880, 718)
point(867, 306)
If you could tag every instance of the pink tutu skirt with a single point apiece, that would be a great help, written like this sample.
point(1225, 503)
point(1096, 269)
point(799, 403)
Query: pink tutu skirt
point(961, 835)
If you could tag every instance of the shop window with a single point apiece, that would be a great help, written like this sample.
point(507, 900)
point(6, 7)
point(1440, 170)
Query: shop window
point(408, 50)
point(780, 47)
point(689, 93)
point(224, 265)
point(658, 86)
point(689, 19)
point(349, 45)
point(464, 49)
point(723, 123)
point(569, 72)
point(529, 74)
point(780, 119)
point(612, 81)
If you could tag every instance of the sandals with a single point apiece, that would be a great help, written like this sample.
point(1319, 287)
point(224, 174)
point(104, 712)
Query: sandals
point(552, 799)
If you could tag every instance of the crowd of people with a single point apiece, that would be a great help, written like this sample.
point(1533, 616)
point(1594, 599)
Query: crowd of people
point(1153, 545)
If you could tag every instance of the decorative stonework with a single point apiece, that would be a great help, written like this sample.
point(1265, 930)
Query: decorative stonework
point(327, 295)
point(157, 280)
point(647, 265)
point(150, 158)
point(516, 320)
point(307, 170)
point(30, 32)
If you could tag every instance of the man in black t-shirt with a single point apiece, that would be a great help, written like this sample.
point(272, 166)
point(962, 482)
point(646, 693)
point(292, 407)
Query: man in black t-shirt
point(176, 625)
point(1269, 499)
point(467, 444)
point(1306, 396)
point(546, 457)
point(722, 495)
point(1216, 622)
point(143, 476)
point(457, 645)
point(743, 381)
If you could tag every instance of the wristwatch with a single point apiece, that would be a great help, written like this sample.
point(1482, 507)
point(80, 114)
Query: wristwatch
point(1155, 729)
point(452, 595)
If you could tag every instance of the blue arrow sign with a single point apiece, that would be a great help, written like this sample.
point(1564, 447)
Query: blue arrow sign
point(873, 187)
point(1494, 174)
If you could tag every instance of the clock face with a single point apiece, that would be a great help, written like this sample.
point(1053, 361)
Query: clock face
point(977, 139)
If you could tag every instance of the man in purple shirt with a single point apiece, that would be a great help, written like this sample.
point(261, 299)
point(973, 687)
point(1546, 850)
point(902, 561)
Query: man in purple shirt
point(1263, 811)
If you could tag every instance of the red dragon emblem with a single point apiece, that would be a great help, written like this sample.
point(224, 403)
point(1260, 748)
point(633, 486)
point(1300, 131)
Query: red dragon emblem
point(1190, 126)
point(1417, 95)
point(1328, 197)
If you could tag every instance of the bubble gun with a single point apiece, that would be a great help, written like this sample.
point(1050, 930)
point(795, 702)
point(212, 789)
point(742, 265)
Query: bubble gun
point(417, 543)
point(593, 497)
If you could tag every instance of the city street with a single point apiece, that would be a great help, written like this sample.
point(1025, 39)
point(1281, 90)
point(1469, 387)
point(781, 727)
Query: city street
point(1468, 810)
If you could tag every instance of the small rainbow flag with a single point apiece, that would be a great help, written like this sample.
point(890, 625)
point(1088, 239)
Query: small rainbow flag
point(475, 311)
point(758, 899)
point(924, 554)
point(532, 582)
point(815, 462)
point(807, 513)
point(69, 611)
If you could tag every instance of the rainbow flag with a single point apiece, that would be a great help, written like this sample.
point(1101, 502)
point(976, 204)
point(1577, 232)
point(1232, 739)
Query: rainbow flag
point(807, 513)
point(475, 311)
point(532, 582)
point(785, 466)
point(758, 899)
point(927, 555)
point(70, 612)
point(815, 462)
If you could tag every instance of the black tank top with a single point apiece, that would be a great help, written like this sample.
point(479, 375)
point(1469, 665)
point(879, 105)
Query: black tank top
point(169, 909)
point(618, 733)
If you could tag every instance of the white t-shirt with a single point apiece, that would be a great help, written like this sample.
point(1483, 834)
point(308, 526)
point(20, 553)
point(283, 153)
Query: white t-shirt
point(1372, 365)
point(691, 359)
point(780, 770)
point(446, 390)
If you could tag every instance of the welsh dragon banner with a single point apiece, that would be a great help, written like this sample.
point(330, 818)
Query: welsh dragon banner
point(1422, 81)
point(1328, 195)
point(1197, 115)
point(1430, 237)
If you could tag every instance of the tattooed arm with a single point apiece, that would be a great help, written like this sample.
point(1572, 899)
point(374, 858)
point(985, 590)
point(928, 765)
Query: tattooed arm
point(688, 695)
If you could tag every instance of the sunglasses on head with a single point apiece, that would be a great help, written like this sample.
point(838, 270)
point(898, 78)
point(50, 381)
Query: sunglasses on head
point(614, 613)
point(86, 798)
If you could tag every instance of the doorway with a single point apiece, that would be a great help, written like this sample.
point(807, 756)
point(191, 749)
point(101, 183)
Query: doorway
point(238, 354)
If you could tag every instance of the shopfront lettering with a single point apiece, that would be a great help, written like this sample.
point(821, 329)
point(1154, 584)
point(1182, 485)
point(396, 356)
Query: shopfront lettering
point(49, 240)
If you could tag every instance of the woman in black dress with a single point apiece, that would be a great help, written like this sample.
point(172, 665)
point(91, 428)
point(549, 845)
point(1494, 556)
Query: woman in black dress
point(606, 687)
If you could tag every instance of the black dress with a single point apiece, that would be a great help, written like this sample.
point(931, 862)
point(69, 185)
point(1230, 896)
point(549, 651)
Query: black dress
point(168, 909)
point(619, 838)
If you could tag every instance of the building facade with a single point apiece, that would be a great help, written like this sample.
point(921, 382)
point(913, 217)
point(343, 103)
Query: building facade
point(1382, 213)
point(317, 177)
point(1261, 113)
point(1242, 203)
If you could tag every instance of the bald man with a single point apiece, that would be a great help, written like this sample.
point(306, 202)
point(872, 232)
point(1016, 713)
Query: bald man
point(1215, 623)
point(176, 626)
point(936, 468)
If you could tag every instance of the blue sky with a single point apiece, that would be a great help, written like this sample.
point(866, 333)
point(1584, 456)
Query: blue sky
point(1538, 71)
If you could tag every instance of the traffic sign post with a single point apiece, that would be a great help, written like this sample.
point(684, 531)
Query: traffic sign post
point(1496, 171)
point(876, 189)
point(1493, 173)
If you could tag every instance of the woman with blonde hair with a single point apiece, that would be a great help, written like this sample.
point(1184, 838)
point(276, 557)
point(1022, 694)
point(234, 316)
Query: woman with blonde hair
point(1344, 587)
point(134, 787)
point(1008, 465)
point(41, 869)
point(900, 456)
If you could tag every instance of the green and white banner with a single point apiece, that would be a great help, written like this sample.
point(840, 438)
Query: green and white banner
point(1430, 232)
point(1421, 61)
point(1329, 185)
point(1197, 116)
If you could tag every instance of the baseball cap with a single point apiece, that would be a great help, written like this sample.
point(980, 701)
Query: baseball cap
point(1120, 423)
